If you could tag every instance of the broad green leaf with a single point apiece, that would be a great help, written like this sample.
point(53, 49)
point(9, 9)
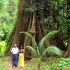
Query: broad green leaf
point(33, 51)
point(46, 38)
point(32, 38)
point(54, 50)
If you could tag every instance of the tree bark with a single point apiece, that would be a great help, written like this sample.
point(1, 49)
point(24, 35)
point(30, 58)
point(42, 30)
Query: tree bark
point(69, 41)
point(29, 22)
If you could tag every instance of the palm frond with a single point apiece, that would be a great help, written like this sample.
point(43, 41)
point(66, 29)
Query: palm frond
point(46, 38)
point(33, 51)
point(31, 37)
point(38, 54)
point(53, 50)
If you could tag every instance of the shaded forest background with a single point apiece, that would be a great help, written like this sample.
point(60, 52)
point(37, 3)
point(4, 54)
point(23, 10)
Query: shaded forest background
point(37, 17)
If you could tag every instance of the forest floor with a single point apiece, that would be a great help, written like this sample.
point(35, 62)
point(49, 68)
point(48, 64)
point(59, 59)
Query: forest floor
point(7, 62)
point(49, 64)
point(9, 66)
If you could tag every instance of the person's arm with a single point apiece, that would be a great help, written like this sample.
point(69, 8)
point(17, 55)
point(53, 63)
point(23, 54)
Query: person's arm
point(18, 51)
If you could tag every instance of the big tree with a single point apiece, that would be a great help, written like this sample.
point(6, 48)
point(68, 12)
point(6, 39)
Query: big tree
point(35, 17)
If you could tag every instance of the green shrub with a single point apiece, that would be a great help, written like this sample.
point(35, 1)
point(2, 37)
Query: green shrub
point(64, 62)
point(3, 67)
point(2, 47)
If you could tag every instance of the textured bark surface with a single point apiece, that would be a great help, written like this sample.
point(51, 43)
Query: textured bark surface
point(69, 42)
point(30, 22)
point(26, 22)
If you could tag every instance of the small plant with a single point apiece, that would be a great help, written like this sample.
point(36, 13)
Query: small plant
point(38, 52)
point(3, 67)
point(64, 62)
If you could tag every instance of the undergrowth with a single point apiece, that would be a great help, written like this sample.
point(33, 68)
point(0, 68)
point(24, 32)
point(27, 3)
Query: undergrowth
point(50, 64)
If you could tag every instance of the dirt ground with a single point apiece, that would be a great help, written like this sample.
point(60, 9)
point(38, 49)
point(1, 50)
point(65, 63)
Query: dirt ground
point(8, 63)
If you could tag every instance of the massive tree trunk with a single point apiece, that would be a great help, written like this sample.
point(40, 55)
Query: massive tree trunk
point(67, 54)
point(30, 22)
point(26, 22)
point(69, 41)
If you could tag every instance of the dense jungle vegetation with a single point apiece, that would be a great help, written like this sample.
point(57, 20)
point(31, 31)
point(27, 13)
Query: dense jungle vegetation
point(42, 27)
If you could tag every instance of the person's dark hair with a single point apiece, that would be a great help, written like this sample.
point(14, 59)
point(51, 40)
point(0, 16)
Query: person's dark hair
point(21, 46)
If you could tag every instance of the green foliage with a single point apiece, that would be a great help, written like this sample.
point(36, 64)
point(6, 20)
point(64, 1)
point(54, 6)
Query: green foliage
point(59, 11)
point(3, 67)
point(3, 58)
point(46, 21)
point(33, 51)
point(8, 16)
point(54, 50)
point(37, 51)
point(46, 65)
point(1, 34)
point(35, 60)
point(4, 27)
point(2, 2)
point(31, 37)
point(64, 62)
point(59, 14)
point(2, 47)
point(33, 7)
point(46, 38)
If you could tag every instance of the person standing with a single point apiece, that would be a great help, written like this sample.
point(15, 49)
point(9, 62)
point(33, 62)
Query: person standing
point(15, 51)
point(21, 57)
